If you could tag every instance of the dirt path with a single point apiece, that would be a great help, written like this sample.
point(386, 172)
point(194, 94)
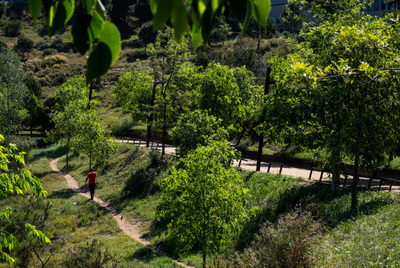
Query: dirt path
point(132, 230)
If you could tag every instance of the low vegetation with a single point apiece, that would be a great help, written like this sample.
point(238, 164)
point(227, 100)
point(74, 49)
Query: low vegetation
point(293, 223)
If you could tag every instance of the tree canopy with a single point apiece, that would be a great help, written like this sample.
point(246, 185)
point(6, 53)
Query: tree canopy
point(338, 91)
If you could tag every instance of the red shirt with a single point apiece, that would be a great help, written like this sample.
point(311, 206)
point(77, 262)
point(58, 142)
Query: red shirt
point(92, 177)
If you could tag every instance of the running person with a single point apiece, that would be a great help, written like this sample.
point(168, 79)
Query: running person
point(92, 182)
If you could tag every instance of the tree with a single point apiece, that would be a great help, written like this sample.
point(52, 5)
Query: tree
point(166, 57)
point(221, 31)
point(133, 92)
point(15, 180)
point(204, 200)
point(293, 17)
point(225, 97)
point(196, 129)
point(71, 105)
point(12, 93)
point(24, 45)
point(91, 139)
point(337, 93)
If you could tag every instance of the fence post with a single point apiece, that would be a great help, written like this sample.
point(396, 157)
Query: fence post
point(309, 177)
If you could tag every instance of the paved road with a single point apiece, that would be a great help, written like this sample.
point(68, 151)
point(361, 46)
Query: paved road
point(249, 164)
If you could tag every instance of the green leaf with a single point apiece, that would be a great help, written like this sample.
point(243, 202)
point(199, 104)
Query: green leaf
point(86, 30)
point(101, 10)
point(179, 20)
point(197, 38)
point(161, 10)
point(260, 10)
point(34, 8)
point(105, 53)
point(58, 13)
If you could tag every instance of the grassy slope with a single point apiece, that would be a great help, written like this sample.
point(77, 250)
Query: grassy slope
point(73, 221)
point(364, 237)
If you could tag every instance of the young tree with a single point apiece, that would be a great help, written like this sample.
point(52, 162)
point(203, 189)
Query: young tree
point(71, 104)
point(13, 92)
point(166, 57)
point(91, 139)
point(24, 45)
point(197, 129)
point(204, 200)
point(15, 180)
point(227, 98)
point(338, 92)
point(134, 91)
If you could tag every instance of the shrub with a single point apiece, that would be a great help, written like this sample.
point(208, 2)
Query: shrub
point(50, 61)
point(48, 52)
point(91, 255)
point(284, 244)
point(146, 33)
point(3, 45)
point(24, 45)
point(12, 28)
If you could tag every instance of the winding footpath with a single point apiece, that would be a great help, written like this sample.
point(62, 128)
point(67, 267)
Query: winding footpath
point(132, 230)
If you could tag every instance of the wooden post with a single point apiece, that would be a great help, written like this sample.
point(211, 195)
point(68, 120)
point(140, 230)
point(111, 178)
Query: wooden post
point(309, 178)
point(269, 167)
point(320, 177)
point(268, 82)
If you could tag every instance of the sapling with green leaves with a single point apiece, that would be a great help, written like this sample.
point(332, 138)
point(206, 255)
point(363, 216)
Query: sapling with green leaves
point(203, 199)
point(15, 180)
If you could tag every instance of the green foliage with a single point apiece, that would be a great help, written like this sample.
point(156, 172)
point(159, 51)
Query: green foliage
point(203, 200)
point(133, 92)
point(15, 181)
point(204, 15)
point(146, 34)
point(92, 254)
point(338, 91)
point(91, 139)
point(293, 17)
point(221, 31)
point(227, 98)
point(196, 129)
point(254, 30)
point(12, 28)
point(13, 92)
point(287, 243)
point(24, 45)
point(142, 11)
point(89, 28)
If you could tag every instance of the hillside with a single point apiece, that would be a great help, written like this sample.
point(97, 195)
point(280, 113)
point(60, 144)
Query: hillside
point(301, 221)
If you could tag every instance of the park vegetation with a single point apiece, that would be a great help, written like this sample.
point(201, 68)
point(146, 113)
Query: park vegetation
point(203, 87)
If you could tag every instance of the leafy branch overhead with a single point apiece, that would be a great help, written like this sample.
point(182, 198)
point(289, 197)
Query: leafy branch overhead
point(91, 32)
point(203, 15)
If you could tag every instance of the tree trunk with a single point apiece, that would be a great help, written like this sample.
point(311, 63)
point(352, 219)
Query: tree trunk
point(204, 259)
point(164, 132)
point(67, 149)
point(355, 181)
point(150, 119)
point(8, 115)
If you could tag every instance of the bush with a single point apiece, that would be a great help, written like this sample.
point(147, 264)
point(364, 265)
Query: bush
point(50, 61)
point(24, 45)
point(146, 33)
point(12, 28)
point(285, 244)
point(91, 255)
point(48, 52)
point(3, 45)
